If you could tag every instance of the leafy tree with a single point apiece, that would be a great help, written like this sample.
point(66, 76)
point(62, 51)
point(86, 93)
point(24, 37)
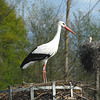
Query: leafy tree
point(13, 43)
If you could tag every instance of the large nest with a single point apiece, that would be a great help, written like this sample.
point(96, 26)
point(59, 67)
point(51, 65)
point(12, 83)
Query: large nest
point(90, 55)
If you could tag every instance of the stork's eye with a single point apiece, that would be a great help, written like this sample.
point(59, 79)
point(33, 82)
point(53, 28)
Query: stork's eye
point(63, 23)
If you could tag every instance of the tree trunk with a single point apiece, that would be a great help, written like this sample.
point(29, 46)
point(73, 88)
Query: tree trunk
point(97, 76)
point(66, 40)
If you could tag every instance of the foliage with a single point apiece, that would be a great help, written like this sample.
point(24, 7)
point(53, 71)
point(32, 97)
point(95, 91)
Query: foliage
point(13, 41)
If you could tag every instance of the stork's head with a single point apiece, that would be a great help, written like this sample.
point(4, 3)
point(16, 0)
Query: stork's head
point(64, 25)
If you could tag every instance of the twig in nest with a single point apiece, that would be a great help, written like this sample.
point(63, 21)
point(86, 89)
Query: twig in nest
point(42, 95)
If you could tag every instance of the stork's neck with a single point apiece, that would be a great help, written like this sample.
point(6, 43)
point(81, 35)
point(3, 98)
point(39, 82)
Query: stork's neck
point(57, 36)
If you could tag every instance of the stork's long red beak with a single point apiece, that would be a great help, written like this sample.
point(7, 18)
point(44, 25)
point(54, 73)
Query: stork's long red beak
point(69, 30)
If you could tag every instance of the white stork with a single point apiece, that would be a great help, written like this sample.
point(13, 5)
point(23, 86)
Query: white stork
point(45, 51)
point(90, 39)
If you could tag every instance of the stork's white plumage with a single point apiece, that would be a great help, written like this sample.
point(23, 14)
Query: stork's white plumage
point(45, 51)
point(90, 39)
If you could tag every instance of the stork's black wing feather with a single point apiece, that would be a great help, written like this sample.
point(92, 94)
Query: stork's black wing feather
point(34, 57)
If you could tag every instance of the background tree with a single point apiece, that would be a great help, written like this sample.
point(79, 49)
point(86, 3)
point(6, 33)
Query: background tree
point(13, 43)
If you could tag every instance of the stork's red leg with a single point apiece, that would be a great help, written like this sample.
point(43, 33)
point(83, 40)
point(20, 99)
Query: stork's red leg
point(44, 74)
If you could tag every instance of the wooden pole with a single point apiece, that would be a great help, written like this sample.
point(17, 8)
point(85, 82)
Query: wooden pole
point(71, 89)
point(32, 92)
point(66, 40)
point(54, 90)
point(9, 92)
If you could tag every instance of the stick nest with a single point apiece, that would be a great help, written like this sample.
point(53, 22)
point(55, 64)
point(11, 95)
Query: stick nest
point(90, 55)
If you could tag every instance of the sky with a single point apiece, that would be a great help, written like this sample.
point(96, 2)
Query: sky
point(77, 5)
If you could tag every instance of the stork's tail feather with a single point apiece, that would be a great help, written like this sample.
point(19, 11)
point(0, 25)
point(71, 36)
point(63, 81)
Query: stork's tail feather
point(25, 65)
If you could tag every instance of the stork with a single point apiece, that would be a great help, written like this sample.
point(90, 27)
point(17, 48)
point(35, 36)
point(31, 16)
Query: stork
point(45, 51)
point(90, 39)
